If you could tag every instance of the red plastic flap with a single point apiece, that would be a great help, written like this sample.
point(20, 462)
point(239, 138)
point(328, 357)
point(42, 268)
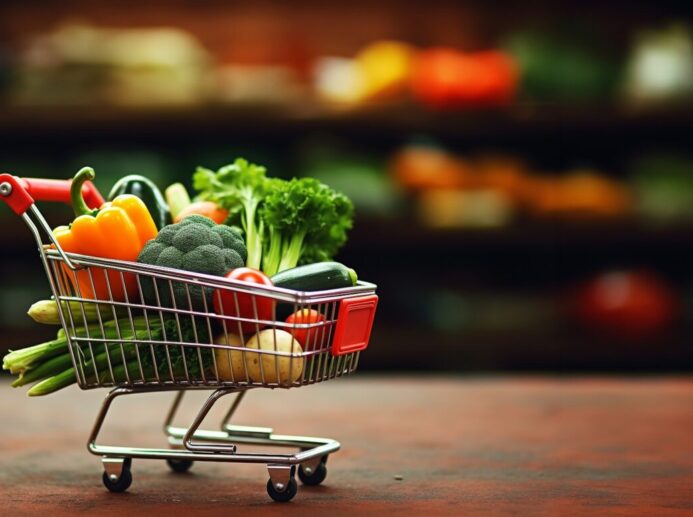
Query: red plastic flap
point(354, 324)
point(14, 194)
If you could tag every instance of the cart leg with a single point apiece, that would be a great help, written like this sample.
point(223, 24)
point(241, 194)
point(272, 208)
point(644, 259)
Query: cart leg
point(243, 430)
point(193, 446)
point(117, 476)
point(173, 411)
point(117, 392)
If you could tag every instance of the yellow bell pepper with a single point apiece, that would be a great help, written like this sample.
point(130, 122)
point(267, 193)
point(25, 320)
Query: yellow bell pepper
point(119, 229)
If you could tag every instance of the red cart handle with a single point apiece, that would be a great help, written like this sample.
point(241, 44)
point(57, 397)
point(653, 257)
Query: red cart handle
point(20, 193)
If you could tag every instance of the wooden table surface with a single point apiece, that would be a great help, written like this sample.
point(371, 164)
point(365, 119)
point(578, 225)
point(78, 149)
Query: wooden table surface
point(461, 445)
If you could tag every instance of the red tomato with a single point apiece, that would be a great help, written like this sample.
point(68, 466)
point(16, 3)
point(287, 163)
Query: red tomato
point(249, 305)
point(306, 316)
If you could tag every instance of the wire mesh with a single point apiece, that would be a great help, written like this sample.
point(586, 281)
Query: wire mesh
point(131, 325)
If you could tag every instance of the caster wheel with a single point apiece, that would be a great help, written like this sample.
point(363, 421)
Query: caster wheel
point(180, 466)
point(122, 483)
point(285, 495)
point(315, 477)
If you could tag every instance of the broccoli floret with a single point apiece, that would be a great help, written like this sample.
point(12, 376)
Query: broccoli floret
point(195, 244)
point(232, 239)
point(198, 219)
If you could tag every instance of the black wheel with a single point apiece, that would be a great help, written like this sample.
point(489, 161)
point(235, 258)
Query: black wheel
point(179, 466)
point(317, 476)
point(285, 495)
point(122, 483)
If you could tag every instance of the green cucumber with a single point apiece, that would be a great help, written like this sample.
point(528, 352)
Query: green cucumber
point(316, 277)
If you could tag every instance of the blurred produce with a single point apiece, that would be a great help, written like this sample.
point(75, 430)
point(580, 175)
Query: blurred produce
point(456, 208)
point(490, 190)
point(630, 305)
point(420, 167)
point(85, 64)
point(379, 71)
point(385, 67)
point(445, 78)
point(660, 66)
point(663, 185)
point(257, 84)
point(564, 64)
point(339, 80)
point(359, 176)
point(580, 194)
point(476, 312)
point(80, 64)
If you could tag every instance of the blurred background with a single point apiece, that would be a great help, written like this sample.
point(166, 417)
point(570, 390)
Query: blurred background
point(522, 173)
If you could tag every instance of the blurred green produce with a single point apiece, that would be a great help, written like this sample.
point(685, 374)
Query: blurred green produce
point(363, 178)
point(565, 63)
point(663, 185)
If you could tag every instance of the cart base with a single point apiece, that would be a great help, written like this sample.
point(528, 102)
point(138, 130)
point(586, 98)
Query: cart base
point(194, 444)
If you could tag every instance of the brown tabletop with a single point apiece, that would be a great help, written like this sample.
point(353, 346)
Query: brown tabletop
point(410, 445)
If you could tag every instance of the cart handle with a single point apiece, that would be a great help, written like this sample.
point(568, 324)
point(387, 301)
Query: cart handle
point(20, 193)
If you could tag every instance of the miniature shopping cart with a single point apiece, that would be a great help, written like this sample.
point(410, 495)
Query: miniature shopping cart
point(145, 358)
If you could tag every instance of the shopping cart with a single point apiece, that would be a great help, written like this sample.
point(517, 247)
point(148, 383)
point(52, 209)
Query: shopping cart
point(152, 351)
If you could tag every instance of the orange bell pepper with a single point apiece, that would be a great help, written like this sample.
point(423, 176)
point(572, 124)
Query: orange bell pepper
point(119, 229)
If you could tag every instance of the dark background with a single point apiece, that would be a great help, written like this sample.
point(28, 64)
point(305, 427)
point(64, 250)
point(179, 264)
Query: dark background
point(532, 281)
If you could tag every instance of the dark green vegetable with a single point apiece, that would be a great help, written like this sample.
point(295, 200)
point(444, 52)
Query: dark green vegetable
point(305, 221)
point(49, 364)
point(148, 192)
point(239, 188)
point(195, 244)
point(316, 277)
point(285, 223)
point(194, 359)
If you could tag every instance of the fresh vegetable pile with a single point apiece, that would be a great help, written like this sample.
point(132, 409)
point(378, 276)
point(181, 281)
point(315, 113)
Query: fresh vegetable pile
point(285, 223)
point(242, 225)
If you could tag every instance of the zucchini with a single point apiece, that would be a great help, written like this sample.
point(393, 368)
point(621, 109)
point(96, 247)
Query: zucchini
point(316, 277)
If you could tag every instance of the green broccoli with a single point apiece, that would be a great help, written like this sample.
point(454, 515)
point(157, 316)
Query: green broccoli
point(195, 244)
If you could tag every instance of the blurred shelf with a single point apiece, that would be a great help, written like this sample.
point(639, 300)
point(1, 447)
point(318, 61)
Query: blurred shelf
point(601, 234)
point(521, 120)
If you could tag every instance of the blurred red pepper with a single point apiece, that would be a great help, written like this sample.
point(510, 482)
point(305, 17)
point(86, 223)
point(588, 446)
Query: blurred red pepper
point(444, 77)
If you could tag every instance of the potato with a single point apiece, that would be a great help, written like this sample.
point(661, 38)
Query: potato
point(276, 368)
point(230, 362)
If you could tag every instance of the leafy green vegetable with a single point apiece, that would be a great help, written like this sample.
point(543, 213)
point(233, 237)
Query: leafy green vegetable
point(194, 359)
point(239, 188)
point(304, 219)
point(285, 222)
